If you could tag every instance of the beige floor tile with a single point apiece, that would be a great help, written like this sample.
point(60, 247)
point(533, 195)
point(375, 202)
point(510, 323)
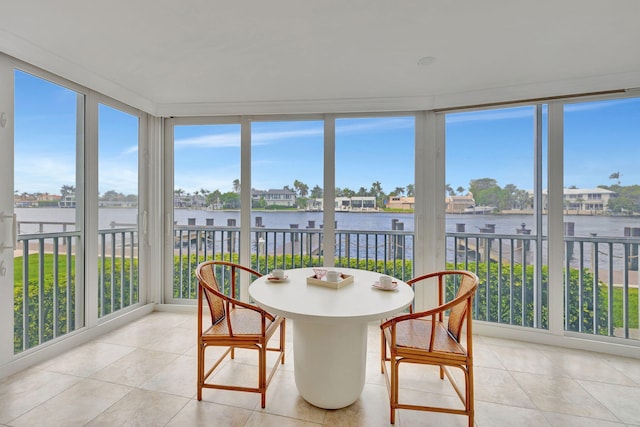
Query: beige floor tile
point(87, 359)
point(145, 374)
point(136, 334)
point(529, 360)
point(587, 366)
point(485, 356)
point(490, 414)
point(371, 409)
point(234, 373)
point(208, 414)
point(563, 420)
point(173, 340)
point(135, 368)
point(178, 378)
point(621, 400)
point(141, 408)
point(628, 366)
point(263, 419)
point(75, 406)
point(424, 378)
point(283, 399)
point(411, 418)
point(26, 390)
point(498, 386)
point(373, 374)
point(562, 395)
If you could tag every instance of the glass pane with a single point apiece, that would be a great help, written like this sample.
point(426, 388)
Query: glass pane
point(286, 178)
point(602, 221)
point(375, 160)
point(206, 200)
point(48, 131)
point(491, 224)
point(117, 209)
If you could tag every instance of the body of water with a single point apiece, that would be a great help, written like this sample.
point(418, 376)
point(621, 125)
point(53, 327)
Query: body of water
point(604, 226)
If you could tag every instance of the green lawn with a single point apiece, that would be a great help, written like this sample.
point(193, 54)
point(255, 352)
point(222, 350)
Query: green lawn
point(618, 309)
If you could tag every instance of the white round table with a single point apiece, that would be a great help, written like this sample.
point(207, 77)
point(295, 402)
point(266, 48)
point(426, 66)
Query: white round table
point(330, 329)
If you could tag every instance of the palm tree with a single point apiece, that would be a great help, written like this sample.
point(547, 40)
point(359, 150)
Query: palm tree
point(301, 188)
point(450, 190)
point(376, 188)
point(410, 189)
point(616, 175)
point(236, 185)
point(67, 189)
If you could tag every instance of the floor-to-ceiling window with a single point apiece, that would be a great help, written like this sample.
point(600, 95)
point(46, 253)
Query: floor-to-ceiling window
point(206, 200)
point(118, 234)
point(374, 203)
point(495, 174)
point(48, 299)
point(602, 216)
point(287, 169)
point(71, 225)
point(372, 207)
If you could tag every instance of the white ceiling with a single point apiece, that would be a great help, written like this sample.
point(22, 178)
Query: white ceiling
point(188, 57)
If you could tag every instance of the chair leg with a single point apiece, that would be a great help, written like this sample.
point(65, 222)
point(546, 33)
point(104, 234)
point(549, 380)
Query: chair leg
point(469, 394)
point(282, 340)
point(201, 350)
point(262, 374)
point(393, 396)
point(383, 351)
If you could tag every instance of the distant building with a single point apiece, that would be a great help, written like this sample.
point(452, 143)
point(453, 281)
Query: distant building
point(347, 204)
point(283, 197)
point(398, 202)
point(460, 204)
point(68, 200)
point(582, 199)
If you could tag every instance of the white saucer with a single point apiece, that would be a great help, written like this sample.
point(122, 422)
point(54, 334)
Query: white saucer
point(275, 280)
point(377, 285)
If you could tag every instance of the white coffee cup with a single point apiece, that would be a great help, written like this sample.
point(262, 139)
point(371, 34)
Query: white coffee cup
point(277, 273)
point(333, 276)
point(386, 282)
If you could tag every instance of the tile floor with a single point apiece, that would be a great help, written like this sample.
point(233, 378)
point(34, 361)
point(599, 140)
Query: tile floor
point(145, 374)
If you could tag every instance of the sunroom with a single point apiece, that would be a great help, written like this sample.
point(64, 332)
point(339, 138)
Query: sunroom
point(141, 139)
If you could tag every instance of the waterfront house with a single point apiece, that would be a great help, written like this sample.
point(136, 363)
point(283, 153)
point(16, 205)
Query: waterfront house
point(118, 345)
point(583, 200)
point(68, 201)
point(588, 199)
point(277, 197)
point(457, 204)
point(399, 202)
point(346, 204)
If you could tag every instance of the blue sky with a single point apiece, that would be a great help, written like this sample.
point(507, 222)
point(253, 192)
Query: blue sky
point(600, 138)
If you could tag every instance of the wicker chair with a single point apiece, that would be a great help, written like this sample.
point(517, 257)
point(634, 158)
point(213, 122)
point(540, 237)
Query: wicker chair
point(426, 338)
point(234, 324)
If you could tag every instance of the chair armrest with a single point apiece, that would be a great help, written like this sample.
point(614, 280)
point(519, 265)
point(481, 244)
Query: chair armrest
point(255, 308)
point(432, 312)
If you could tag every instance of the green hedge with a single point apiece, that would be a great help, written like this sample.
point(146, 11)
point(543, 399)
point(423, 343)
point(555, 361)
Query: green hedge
point(500, 300)
point(47, 299)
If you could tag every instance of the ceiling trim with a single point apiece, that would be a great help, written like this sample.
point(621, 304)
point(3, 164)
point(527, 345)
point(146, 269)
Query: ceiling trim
point(491, 96)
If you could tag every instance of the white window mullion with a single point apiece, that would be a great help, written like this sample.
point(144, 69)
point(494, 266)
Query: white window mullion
point(88, 202)
point(429, 203)
point(555, 218)
point(329, 192)
point(245, 203)
point(166, 222)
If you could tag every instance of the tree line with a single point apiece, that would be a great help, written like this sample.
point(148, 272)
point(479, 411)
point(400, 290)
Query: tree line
point(486, 192)
point(231, 199)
